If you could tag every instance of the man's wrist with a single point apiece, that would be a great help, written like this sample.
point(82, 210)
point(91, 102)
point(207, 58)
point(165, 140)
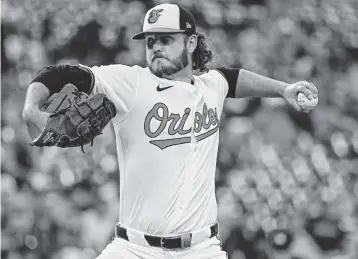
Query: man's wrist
point(29, 113)
point(282, 88)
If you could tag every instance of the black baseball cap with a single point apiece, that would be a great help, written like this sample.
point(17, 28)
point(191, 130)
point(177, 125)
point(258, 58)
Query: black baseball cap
point(167, 18)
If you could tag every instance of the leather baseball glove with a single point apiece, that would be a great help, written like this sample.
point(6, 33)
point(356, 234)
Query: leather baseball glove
point(75, 119)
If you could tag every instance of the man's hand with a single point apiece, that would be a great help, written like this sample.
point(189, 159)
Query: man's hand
point(292, 90)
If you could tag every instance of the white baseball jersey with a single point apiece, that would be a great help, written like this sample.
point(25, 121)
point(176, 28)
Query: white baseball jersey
point(167, 136)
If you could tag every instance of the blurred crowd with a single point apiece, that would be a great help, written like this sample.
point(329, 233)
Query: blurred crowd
point(287, 182)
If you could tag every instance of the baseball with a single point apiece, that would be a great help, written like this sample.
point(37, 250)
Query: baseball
point(305, 103)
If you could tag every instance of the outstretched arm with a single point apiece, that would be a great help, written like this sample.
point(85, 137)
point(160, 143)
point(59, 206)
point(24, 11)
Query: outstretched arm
point(250, 84)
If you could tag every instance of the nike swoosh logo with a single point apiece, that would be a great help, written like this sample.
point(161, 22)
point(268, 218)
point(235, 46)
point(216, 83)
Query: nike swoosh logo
point(163, 88)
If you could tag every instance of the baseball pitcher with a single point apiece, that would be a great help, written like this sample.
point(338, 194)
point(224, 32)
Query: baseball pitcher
point(166, 122)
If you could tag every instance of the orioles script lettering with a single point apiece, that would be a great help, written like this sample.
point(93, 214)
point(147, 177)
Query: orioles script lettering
point(178, 125)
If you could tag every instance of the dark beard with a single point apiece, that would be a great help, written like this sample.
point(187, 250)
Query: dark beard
point(176, 65)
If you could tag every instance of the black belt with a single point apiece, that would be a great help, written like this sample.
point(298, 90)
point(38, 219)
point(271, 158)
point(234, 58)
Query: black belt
point(181, 241)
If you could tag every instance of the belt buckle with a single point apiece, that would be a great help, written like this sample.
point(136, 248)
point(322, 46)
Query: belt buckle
point(185, 240)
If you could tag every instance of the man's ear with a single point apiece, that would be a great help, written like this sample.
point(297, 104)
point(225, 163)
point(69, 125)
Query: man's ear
point(192, 42)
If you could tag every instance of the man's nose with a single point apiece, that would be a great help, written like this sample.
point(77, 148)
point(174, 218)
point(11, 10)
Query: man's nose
point(157, 47)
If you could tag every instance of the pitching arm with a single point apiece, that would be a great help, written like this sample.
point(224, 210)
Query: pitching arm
point(250, 84)
point(243, 83)
point(255, 85)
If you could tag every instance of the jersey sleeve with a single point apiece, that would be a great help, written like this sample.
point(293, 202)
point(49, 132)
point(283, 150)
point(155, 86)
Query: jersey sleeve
point(230, 75)
point(55, 77)
point(119, 83)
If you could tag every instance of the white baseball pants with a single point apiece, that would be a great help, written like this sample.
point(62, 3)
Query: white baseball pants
point(122, 249)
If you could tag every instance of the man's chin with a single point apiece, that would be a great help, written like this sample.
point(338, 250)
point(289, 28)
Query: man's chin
point(160, 72)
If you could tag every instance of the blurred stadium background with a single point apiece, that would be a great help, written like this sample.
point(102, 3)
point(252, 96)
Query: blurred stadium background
point(287, 183)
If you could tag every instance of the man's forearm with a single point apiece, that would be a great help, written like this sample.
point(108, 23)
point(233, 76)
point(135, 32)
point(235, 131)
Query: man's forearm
point(37, 94)
point(34, 119)
point(250, 84)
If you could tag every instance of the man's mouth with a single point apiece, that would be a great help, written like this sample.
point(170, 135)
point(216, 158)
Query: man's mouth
point(157, 58)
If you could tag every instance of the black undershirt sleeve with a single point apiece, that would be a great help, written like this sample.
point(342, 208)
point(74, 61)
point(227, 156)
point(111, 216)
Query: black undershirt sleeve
point(55, 77)
point(231, 75)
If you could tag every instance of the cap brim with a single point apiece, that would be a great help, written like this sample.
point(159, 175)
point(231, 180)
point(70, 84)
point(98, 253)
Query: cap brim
point(140, 36)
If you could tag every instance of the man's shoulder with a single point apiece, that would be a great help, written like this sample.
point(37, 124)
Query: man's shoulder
point(229, 74)
point(118, 71)
point(118, 67)
point(114, 68)
point(210, 75)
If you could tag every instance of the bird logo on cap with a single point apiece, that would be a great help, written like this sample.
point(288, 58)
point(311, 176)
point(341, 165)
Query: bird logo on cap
point(154, 15)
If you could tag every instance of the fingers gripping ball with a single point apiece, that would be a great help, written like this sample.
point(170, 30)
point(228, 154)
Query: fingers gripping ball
point(305, 103)
point(75, 119)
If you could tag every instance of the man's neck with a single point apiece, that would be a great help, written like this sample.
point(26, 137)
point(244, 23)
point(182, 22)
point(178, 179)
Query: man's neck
point(184, 75)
